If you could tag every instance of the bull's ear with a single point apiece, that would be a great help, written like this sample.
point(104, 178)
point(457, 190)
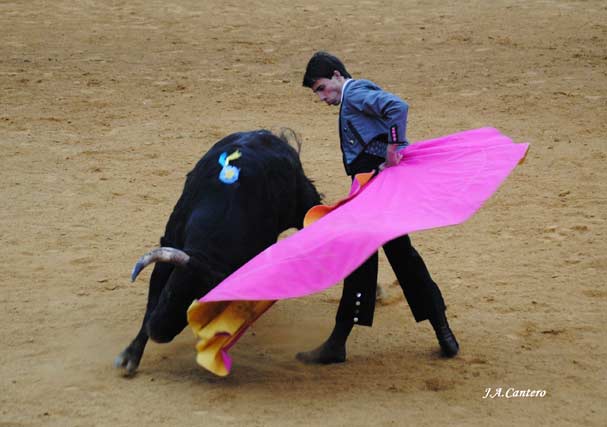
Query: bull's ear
point(217, 276)
point(202, 269)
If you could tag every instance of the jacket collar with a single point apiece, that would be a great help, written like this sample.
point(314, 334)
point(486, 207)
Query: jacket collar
point(343, 90)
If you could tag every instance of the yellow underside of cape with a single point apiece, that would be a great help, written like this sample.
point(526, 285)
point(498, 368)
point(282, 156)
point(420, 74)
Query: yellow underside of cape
point(217, 325)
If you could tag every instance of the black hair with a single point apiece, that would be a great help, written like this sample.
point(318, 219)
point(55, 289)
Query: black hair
point(322, 65)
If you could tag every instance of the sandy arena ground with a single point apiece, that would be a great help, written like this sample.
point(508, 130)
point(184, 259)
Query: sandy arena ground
point(106, 105)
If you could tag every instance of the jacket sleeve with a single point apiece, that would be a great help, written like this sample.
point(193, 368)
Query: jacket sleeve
point(390, 109)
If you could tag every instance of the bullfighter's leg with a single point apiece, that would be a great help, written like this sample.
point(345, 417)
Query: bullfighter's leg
point(355, 307)
point(422, 293)
point(131, 356)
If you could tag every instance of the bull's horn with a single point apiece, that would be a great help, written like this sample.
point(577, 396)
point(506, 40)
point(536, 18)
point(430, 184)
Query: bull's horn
point(170, 255)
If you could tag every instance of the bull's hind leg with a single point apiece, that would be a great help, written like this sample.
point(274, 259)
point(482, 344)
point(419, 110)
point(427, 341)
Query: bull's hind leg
point(131, 356)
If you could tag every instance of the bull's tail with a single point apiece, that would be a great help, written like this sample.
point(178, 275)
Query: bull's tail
point(164, 254)
point(289, 136)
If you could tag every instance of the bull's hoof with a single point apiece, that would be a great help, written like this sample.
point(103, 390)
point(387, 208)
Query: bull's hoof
point(128, 361)
point(326, 354)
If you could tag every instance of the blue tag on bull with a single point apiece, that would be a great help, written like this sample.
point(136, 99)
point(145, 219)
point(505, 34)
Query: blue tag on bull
point(229, 174)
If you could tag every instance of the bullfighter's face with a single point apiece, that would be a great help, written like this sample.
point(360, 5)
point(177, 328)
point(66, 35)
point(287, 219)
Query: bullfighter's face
point(329, 90)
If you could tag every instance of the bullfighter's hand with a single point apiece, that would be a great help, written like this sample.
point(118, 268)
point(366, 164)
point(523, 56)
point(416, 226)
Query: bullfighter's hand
point(393, 157)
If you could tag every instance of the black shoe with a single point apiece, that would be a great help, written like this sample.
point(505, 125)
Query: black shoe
point(326, 354)
point(447, 341)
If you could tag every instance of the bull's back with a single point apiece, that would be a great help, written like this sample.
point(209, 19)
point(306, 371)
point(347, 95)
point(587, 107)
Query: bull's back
point(235, 221)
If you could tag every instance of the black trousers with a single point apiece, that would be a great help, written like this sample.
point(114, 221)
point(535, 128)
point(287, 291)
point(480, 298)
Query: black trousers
point(357, 304)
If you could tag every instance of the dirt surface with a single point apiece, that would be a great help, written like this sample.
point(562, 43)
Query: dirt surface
point(106, 105)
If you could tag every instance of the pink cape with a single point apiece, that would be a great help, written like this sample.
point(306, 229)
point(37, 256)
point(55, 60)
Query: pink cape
point(439, 182)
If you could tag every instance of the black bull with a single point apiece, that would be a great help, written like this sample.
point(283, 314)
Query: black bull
point(216, 227)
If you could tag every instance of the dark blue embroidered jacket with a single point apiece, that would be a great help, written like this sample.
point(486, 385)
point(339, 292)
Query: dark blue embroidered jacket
point(365, 117)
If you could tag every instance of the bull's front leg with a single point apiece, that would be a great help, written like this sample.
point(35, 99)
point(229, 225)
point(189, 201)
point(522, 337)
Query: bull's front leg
point(130, 357)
